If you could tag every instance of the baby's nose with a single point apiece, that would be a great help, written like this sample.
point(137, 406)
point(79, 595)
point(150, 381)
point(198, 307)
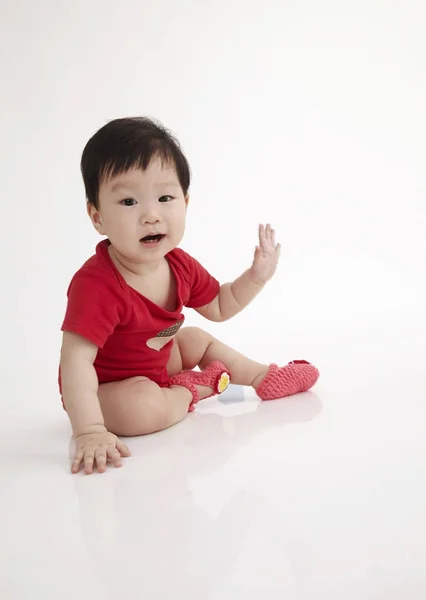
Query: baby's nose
point(150, 216)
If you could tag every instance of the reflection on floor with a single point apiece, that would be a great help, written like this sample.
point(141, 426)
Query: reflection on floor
point(318, 496)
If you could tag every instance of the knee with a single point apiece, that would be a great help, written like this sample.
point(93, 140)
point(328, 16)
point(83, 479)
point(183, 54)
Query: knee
point(138, 381)
point(143, 391)
point(147, 397)
point(141, 386)
point(142, 411)
point(152, 410)
point(195, 334)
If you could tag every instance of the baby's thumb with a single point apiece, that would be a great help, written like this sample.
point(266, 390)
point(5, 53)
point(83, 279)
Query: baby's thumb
point(257, 251)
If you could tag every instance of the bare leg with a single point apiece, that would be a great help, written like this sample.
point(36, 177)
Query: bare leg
point(138, 406)
point(195, 347)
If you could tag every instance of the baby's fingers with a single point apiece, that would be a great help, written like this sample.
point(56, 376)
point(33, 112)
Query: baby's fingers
point(89, 459)
point(266, 237)
point(101, 458)
point(114, 456)
point(262, 235)
point(270, 235)
point(76, 463)
point(123, 449)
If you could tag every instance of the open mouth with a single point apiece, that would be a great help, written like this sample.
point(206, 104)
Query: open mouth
point(152, 239)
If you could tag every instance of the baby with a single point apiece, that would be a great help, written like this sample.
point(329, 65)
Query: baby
point(127, 363)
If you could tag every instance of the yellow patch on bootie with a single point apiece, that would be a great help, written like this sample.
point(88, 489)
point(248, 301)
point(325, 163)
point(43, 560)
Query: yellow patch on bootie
point(223, 383)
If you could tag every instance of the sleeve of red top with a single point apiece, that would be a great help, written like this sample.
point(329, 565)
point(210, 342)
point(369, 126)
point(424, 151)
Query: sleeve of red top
point(94, 306)
point(204, 287)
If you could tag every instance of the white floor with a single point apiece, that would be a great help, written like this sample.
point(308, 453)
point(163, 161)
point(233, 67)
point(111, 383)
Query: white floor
point(321, 496)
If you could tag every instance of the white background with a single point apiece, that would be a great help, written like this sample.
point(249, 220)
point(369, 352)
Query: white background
point(307, 114)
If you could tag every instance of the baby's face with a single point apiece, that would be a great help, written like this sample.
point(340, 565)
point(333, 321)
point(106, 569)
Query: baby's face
point(138, 204)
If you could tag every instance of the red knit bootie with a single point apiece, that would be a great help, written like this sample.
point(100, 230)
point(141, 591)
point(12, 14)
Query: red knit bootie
point(296, 377)
point(215, 376)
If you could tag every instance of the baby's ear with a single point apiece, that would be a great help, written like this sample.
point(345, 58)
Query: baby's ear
point(95, 217)
point(186, 200)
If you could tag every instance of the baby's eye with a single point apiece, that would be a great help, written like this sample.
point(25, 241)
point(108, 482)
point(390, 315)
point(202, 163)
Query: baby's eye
point(165, 198)
point(128, 202)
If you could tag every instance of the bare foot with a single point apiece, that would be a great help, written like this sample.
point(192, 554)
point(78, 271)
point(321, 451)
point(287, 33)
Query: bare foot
point(204, 391)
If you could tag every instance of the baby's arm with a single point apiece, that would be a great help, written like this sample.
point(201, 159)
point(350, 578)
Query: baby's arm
point(80, 384)
point(80, 393)
point(235, 296)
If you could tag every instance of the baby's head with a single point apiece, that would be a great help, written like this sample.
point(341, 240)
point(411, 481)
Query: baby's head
point(136, 180)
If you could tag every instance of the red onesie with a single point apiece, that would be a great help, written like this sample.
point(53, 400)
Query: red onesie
point(123, 323)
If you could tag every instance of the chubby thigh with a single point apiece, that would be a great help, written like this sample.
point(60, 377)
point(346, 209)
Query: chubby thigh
point(131, 406)
point(137, 406)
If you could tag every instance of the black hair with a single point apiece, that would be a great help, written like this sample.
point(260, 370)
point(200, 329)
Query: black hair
point(127, 143)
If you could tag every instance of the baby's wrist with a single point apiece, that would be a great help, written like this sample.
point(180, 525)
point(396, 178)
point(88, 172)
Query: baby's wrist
point(90, 429)
point(256, 281)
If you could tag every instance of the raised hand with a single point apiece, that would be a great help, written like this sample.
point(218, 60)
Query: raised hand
point(266, 256)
